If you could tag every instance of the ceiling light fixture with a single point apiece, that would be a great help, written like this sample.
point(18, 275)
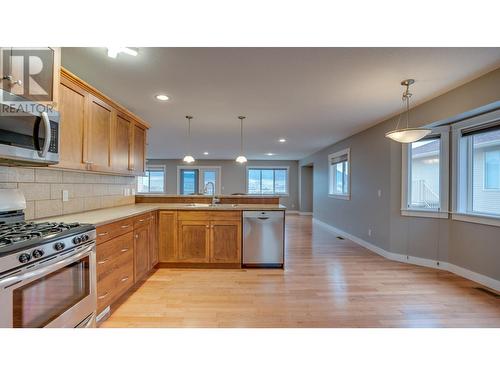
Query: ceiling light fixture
point(269, 154)
point(241, 159)
point(162, 97)
point(282, 140)
point(189, 158)
point(114, 51)
point(407, 135)
point(205, 153)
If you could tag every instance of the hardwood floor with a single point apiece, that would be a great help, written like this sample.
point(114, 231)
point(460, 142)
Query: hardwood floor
point(327, 283)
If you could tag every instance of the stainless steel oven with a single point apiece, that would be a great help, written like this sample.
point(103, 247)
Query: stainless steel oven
point(58, 292)
point(29, 132)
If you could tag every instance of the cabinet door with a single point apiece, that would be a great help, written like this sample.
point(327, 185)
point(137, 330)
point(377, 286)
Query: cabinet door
point(225, 241)
point(167, 236)
point(73, 113)
point(138, 149)
point(153, 244)
point(141, 252)
point(99, 134)
point(121, 144)
point(194, 241)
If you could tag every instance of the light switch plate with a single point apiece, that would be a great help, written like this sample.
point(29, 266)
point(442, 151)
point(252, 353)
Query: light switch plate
point(65, 196)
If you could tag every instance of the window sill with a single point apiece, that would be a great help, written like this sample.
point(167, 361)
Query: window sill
point(422, 213)
point(478, 219)
point(338, 196)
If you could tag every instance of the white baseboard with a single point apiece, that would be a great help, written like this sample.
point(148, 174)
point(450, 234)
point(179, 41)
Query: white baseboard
point(432, 263)
point(305, 213)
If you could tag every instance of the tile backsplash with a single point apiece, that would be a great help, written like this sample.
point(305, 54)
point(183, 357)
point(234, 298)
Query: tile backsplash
point(43, 189)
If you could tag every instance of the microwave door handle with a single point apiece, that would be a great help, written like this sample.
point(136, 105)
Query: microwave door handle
point(48, 135)
point(10, 281)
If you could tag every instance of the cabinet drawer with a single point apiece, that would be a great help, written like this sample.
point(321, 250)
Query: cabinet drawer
point(114, 285)
point(112, 230)
point(112, 264)
point(142, 219)
point(115, 247)
point(209, 215)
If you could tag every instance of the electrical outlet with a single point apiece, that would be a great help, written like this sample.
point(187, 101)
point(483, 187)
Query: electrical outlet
point(369, 232)
point(379, 193)
point(65, 195)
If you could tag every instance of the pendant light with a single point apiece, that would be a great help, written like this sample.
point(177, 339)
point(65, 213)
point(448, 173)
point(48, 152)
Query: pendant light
point(241, 159)
point(189, 158)
point(407, 135)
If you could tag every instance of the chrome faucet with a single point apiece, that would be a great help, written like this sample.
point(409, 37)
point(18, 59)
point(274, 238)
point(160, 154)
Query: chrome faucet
point(215, 200)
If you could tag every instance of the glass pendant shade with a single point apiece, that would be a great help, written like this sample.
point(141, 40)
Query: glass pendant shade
point(241, 159)
point(188, 159)
point(408, 135)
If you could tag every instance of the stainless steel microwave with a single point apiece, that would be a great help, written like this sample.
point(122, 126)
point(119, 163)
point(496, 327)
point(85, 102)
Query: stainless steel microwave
point(29, 132)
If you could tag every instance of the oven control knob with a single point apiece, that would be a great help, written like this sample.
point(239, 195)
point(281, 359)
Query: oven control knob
point(24, 258)
point(59, 245)
point(77, 240)
point(85, 237)
point(37, 253)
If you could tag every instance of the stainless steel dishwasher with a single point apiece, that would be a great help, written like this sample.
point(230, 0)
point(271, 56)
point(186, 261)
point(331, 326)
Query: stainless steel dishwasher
point(263, 238)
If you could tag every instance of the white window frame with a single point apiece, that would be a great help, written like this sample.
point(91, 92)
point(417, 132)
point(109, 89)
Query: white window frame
point(271, 168)
point(331, 176)
point(444, 179)
point(461, 187)
point(485, 174)
point(157, 166)
point(200, 179)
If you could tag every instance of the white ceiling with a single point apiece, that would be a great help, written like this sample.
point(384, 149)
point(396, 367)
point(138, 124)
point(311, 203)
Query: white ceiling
point(311, 96)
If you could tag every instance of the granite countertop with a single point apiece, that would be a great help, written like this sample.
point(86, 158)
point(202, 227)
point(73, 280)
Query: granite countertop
point(108, 215)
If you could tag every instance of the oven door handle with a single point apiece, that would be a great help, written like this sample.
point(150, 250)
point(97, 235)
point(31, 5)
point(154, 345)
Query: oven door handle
point(48, 135)
point(13, 280)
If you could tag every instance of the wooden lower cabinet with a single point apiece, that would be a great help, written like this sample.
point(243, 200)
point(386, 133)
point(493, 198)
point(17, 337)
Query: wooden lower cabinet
point(153, 241)
point(141, 253)
point(167, 236)
point(200, 237)
point(194, 241)
point(225, 241)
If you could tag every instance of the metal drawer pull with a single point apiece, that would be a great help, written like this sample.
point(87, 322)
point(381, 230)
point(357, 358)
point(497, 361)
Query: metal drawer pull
point(103, 261)
point(124, 250)
point(263, 218)
point(125, 226)
point(141, 220)
point(124, 279)
point(103, 234)
point(103, 296)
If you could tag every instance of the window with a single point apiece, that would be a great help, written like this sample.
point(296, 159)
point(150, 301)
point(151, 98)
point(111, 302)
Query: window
point(479, 170)
point(339, 174)
point(425, 176)
point(153, 181)
point(267, 180)
point(193, 180)
point(492, 169)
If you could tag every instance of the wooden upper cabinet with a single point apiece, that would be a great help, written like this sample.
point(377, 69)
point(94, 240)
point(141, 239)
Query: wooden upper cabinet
point(73, 114)
point(194, 241)
point(225, 241)
point(99, 134)
point(121, 144)
point(167, 236)
point(138, 150)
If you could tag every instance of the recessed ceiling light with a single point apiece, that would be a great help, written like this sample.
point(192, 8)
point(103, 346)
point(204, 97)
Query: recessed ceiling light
point(114, 51)
point(282, 140)
point(162, 97)
point(269, 154)
point(205, 153)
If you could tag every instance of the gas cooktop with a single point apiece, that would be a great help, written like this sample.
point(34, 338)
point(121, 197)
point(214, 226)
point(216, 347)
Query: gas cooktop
point(14, 236)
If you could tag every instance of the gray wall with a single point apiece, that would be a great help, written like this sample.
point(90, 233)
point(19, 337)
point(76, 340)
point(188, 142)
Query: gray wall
point(306, 188)
point(233, 176)
point(376, 164)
